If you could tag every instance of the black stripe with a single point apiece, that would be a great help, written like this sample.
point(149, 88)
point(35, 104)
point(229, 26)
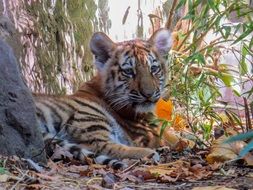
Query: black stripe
point(95, 140)
point(127, 52)
point(84, 91)
point(40, 116)
point(59, 105)
point(72, 131)
point(113, 74)
point(117, 165)
point(68, 104)
point(103, 147)
point(89, 114)
point(74, 149)
point(89, 106)
point(106, 161)
point(57, 125)
point(118, 87)
point(92, 128)
point(89, 119)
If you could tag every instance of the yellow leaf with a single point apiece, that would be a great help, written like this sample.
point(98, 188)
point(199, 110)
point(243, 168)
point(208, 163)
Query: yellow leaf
point(164, 109)
point(221, 152)
point(179, 123)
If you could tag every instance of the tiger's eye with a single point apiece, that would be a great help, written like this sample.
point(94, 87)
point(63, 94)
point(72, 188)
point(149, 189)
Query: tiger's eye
point(128, 71)
point(155, 68)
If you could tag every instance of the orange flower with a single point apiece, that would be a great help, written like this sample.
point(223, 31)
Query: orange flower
point(178, 123)
point(164, 109)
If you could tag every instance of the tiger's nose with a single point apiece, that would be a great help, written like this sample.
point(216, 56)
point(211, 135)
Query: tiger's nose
point(147, 93)
point(151, 96)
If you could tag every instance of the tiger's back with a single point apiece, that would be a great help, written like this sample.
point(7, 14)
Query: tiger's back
point(102, 117)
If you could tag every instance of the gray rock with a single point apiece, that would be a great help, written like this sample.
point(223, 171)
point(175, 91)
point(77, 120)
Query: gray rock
point(19, 134)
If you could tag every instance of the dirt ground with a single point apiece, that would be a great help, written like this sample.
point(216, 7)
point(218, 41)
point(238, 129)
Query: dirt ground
point(185, 170)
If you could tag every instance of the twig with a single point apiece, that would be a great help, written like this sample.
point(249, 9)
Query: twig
point(130, 167)
point(169, 21)
point(93, 179)
point(247, 115)
point(185, 38)
point(21, 179)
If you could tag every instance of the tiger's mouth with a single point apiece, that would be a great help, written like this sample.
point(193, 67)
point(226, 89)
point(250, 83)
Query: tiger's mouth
point(144, 107)
point(147, 101)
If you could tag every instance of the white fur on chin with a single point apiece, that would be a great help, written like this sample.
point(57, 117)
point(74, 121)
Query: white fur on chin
point(145, 108)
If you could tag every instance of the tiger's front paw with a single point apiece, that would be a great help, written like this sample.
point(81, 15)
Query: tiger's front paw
point(163, 149)
point(154, 156)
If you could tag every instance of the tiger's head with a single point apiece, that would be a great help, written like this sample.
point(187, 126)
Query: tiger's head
point(133, 72)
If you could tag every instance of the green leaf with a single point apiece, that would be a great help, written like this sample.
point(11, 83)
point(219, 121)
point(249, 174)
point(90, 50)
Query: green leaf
point(227, 31)
point(237, 28)
point(188, 16)
point(243, 68)
point(164, 125)
point(251, 43)
point(3, 170)
point(234, 116)
point(237, 93)
point(246, 149)
point(211, 3)
point(227, 79)
point(156, 121)
point(200, 80)
point(249, 30)
point(180, 4)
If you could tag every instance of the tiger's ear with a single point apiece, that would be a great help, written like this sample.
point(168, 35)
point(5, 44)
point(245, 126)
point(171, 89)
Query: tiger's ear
point(162, 41)
point(101, 46)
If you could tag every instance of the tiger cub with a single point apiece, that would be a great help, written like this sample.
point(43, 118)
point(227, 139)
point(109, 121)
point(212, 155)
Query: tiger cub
point(107, 118)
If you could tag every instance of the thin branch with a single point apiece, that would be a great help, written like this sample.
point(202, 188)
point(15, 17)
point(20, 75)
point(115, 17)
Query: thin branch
point(171, 13)
point(247, 114)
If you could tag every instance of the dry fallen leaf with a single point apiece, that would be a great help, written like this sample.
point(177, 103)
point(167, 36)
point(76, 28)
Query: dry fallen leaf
point(179, 170)
point(4, 178)
point(109, 180)
point(174, 141)
point(221, 152)
point(213, 188)
point(248, 159)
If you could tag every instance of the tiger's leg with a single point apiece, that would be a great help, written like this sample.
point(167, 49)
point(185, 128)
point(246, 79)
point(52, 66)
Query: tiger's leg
point(121, 151)
point(82, 154)
point(112, 162)
point(76, 150)
point(112, 153)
